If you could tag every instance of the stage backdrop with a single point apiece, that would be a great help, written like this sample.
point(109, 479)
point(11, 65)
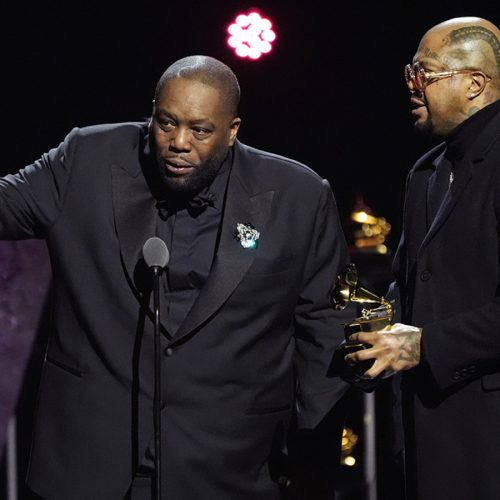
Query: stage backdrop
point(24, 283)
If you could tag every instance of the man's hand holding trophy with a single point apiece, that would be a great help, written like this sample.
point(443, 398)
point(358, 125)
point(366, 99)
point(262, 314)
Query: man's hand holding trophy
point(373, 347)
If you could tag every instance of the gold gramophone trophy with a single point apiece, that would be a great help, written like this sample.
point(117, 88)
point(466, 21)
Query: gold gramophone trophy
point(376, 313)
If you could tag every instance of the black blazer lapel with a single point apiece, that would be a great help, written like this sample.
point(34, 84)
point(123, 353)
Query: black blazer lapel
point(232, 260)
point(462, 176)
point(486, 134)
point(415, 225)
point(134, 211)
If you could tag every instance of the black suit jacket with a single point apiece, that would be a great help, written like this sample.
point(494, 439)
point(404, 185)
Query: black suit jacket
point(254, 349)
point(448, 279)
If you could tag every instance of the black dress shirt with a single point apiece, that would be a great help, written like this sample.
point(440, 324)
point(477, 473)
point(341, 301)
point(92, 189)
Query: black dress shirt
point(190, 229)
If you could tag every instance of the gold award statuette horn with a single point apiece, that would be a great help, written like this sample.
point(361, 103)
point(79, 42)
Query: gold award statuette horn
point(376, 313)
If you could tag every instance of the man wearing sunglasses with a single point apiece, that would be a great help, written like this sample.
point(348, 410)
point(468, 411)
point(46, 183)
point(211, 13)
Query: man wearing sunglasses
point(447, 271)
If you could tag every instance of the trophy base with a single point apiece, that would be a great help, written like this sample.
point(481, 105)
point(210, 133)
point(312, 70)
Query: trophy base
point(357, 370)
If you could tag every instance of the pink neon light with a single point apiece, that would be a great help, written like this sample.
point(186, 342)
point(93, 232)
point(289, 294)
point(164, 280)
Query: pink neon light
point(250, 35)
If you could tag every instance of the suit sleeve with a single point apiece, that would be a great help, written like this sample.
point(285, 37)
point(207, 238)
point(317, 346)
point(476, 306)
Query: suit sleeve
point(31, 200)
point(464, 345)
point(319, 328)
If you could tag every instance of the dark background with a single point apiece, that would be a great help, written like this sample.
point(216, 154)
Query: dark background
point(331, 94)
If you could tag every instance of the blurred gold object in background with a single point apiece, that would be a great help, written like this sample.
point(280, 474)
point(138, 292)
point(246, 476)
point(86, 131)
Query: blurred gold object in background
point(370, 232)
point(349, 441)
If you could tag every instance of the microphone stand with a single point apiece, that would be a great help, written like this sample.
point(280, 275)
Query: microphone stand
point(157, 370)
point(156, 256)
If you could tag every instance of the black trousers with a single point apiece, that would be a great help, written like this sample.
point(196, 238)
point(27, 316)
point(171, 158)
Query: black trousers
point(142, 488)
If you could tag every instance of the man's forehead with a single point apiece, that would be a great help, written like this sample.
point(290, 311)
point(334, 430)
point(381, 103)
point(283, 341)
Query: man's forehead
point(433, 45)
point(181, 82)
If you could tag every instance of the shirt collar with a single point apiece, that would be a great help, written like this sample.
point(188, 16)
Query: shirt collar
point(463, 137)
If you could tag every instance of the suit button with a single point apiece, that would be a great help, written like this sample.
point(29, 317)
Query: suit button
point(169, 351)
point(425, 275)
point(456, 376)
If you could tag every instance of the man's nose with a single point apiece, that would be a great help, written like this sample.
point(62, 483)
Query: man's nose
point(180, 139)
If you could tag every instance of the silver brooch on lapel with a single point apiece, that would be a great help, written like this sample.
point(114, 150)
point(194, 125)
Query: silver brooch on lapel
point(247, 235)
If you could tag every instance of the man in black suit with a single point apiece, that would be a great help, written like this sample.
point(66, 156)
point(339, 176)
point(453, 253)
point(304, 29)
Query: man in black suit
point(447, 270)
point(247, 328)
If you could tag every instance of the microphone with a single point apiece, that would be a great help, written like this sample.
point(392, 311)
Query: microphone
point(156, 256)
point(155, 253)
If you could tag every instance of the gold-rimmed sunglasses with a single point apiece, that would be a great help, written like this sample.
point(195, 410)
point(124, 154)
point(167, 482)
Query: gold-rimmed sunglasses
point(418, 79)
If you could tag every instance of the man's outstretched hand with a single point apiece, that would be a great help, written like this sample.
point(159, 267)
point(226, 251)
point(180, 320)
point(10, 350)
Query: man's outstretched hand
point(395, 348)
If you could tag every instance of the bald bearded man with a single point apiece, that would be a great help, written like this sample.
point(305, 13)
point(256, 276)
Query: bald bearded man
point(447, 271)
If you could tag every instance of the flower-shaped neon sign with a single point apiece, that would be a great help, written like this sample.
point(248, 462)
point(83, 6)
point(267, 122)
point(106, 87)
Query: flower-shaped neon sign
point(251, 35)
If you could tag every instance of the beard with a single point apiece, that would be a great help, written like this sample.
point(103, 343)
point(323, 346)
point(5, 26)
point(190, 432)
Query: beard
point(435, 123)
point(425, 126)
point(201, 176)
point(441, 130)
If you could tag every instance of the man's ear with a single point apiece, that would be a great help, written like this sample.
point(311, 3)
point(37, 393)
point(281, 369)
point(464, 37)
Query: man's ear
point(233, 130)
point(477, 85)
point(153, 111)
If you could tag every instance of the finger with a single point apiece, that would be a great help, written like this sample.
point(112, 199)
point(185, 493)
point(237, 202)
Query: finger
point(375, 352)
point(363, 337)
point(374, 371)
point(377, 369)
point(353, 337)
point(386, 329)
point(361, 355)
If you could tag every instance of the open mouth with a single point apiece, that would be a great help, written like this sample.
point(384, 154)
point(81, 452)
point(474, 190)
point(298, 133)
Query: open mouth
point(177, 168)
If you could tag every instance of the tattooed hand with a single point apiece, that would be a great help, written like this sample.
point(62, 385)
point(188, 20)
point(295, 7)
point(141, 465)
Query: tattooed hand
point(394, 349)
